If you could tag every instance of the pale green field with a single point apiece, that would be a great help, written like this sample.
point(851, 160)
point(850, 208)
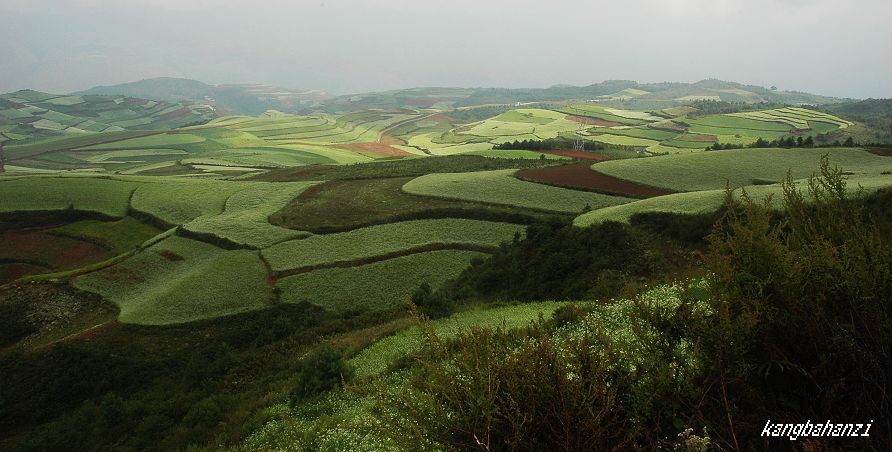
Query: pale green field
point(387, 239)
point(623, 140)
point(501, 187)
point(160, 140)
point(517, 154)
point(245, 218)
point(111, 155)
point(711, 170)
point(377, 357)
point(379, 286)
point(180, 280)
point(710, 200)
point(181, 200)
point(37, 193)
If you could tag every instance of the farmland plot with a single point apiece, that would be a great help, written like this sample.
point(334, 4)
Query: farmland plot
point(180, 280)
point(501, 187)
point(378, 286)
point(387, 239)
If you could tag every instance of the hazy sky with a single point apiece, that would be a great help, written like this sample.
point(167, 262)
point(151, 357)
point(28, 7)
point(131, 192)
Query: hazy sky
point(833, 47)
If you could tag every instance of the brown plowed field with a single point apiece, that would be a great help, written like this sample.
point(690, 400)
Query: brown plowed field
point(580, 176)
point(390, 140)
point(34, 249)
point(581, 155)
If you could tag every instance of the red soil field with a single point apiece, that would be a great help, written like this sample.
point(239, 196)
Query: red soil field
point(390, 140)
point(12, 272)
point(376, 150)
point(581, 155)
point(592, 121)
point(40, 249)
point(581, 176)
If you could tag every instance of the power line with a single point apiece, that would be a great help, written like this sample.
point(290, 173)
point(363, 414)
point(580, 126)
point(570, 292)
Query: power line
point(580, 129)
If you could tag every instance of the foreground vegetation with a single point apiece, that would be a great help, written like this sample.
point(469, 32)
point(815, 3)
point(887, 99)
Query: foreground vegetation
point(406, 276)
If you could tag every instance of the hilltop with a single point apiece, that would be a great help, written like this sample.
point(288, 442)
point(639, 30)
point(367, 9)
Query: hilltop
point(243, 99)
point(626, 93)
point(28, 115)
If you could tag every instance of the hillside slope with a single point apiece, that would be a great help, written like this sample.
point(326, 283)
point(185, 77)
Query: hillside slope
point(240, 99)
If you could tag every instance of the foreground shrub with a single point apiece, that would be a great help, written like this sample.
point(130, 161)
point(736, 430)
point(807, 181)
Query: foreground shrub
point(322, 370)
point(802, 327)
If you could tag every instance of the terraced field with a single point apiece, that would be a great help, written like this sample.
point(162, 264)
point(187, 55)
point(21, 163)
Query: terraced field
point(328, 234)
point(501, 187)
point(363, 288)
point(181, 280)
point(225, 146)
point(376, 358)
point(385, 241)
point(244, 218)
point(706, 201)
point(31, 116)
point(711, 170)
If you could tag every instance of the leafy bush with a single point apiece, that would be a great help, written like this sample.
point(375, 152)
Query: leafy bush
point(803, 309)
point(560, 262)
point(433, 305)
point(322, 370)
point(494, 391)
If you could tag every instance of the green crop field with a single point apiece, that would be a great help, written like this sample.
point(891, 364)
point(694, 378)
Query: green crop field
point(650, 134)
point(181, 280)
point(706, 201)
point(623, 140)
point(119, 236)
point(245, 218)
point(380, 286)
point(711, 170)
point(104, 196)
point(602, 113)
point(528, 116)
point(376, 358)
point(516, 154)
point(387, 239)
point(501, 187)
point(179, 201)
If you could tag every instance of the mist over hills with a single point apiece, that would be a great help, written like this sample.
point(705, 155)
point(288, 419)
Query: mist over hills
point(247, 99)
point(250, 99)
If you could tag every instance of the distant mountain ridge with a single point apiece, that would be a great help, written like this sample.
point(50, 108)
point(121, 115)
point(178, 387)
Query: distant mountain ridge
point(250, 99)
point(243, 99)
point(631, 94)
point(29, 114)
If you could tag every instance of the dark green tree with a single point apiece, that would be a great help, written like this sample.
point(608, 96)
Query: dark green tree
point(322, 370)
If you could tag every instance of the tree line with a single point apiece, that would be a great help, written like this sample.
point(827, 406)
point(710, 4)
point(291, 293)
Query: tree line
point(547, 145)
point(789, 142)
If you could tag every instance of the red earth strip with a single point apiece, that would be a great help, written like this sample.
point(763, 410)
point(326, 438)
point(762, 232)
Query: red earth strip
point(581, 176)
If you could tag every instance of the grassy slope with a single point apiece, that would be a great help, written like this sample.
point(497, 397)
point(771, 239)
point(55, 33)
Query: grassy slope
point(708, 200)
point(501, 187)
point(711, 170)
point(386, 239)
point(341, 205)
point(180, 280)
point(378, 286)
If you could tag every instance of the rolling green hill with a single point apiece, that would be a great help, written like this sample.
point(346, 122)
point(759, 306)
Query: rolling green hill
point(27, 116)
point(334, 278)
point(237, 99)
